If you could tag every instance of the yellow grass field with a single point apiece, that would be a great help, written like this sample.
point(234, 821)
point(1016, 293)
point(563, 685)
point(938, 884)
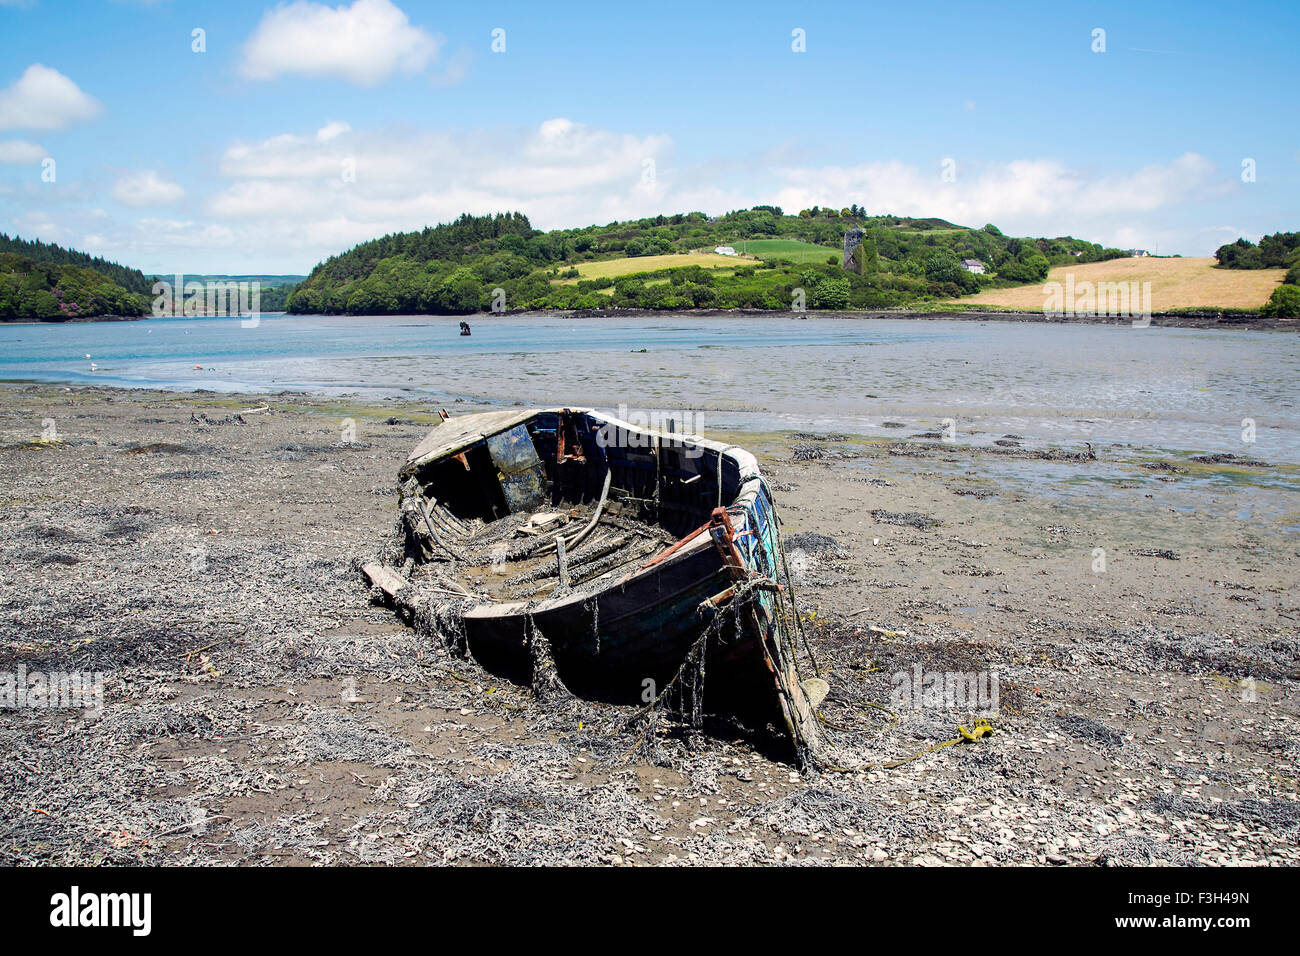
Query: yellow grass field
point(1175, 284)
point(613, 268)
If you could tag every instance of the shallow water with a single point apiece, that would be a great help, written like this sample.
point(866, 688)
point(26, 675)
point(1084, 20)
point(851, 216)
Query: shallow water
point(1119, 486)
point(1185, 389)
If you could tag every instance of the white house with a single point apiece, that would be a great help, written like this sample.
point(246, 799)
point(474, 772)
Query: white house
point(973, 265)
point(725, 251)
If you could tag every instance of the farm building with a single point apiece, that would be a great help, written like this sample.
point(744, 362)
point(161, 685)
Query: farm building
point(973, 265)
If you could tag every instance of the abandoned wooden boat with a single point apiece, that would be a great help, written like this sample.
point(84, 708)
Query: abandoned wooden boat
point(566, 545)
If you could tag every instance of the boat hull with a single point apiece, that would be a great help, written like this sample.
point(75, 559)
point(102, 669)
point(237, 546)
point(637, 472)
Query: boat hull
point(625, 643)
point(698, 624)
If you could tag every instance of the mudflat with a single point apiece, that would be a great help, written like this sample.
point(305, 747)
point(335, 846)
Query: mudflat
point(1133, 610)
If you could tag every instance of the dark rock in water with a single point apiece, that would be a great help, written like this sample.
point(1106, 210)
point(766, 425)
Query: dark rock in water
point(806, 452)
point(815, 436)
point(1007, 443)
point(1225, 459)
point(1043, 454)
point(892, 425)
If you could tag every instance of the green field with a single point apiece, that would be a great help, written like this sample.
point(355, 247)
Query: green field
point(613, 268)
point(791, 249)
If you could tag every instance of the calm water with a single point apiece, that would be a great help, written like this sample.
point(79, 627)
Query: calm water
point(1161, 388)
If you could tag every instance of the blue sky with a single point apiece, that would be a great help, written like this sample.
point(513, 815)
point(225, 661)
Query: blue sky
point(304, 128)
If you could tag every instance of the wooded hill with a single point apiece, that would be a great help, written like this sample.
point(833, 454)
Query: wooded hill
point(132, 280)
point(455, 268)
point(45, 282)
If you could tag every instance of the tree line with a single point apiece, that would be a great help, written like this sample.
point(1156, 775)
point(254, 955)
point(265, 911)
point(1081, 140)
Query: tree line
point(458, 267)
point(44, 291)
point(48, 253)
point(1278, 251)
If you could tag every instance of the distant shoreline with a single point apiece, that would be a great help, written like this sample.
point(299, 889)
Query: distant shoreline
point(1206, 319)
point(69, 320)
point(1199, 319)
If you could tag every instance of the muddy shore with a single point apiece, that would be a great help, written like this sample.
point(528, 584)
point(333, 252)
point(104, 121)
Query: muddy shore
point(198, 552)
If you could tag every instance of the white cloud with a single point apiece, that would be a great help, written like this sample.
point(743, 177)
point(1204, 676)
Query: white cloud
point(146, 188)
point(19, 152)
point(284, 203)
point(1023, 197)
point(332, 131)
point(559, 172)
point(43, 98)
point(364, 43)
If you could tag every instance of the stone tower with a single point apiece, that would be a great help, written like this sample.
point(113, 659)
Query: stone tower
point(852, 239)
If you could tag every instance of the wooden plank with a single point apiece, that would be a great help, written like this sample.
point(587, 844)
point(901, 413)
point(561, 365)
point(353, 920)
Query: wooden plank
point(383, 577)
point(459, 433)
point(799, 714)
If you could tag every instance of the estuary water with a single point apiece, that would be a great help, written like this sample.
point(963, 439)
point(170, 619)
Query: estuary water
point(1178, 389)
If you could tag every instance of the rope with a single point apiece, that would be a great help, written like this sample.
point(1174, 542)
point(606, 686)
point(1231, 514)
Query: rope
point(789, 579)
point(982, 729)
point(773, 548)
